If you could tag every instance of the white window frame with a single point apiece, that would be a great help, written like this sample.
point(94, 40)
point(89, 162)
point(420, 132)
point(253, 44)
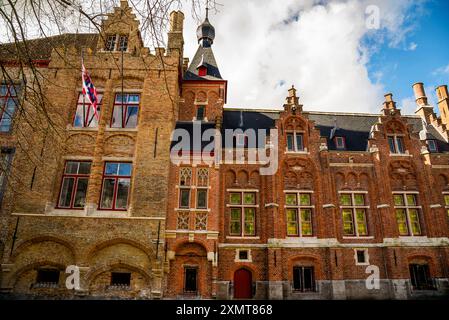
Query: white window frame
point(353, 209)
point(237, 255)
point(407, 208)
point(117, 42)
point(366, 254)
point(341, 146)
point(446, 206)
point(242, 207)
point(295, 144)
point(298, 208)
point(396, 145)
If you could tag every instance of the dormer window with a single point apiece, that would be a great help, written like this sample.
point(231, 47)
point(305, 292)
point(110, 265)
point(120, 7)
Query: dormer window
point(113, 45)
point(432, 144)
point(200, 111)
point(396, 144)
point(202, 71)
point(110, 42)
point(295, 142)
point(340, 143)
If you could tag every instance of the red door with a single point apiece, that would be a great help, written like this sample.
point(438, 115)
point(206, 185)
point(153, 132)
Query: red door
point(243, 284)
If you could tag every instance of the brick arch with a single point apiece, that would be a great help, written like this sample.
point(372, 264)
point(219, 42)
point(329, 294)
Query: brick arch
point(291, 179)
point(421, 257)
point(364, 180)
point(15, 277)
point(402, 173)
point(254, 177)
point(96, 271)
point(99, 246)
point(231, 177)
point(83, 143)
point(443, 181)
point(243, 177)
point(340, 180)
point(201, 96)
point(189, 95)
point(213, 95)
point(305, 170)
point(179, 244)
point(44, 238)
point(254, 271)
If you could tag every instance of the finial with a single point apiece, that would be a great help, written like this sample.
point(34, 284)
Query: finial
point(207, 9)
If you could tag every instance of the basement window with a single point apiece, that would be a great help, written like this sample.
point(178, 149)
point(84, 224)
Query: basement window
point(303, 279)
point(47, 278)
point(361, 257)
point(200, 113)
point(120, 279)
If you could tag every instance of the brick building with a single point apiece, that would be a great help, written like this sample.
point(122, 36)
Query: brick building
point(353, 194)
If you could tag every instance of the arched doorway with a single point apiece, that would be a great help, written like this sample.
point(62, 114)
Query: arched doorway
point(243, 284)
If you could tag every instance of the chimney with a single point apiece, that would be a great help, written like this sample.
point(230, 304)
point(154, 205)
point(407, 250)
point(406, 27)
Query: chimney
point(423, 110)
point(389, 103)
point(175, 38)
point(420, 94)
point(443, 104)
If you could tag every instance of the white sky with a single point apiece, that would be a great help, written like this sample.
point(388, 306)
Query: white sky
point(321, 53)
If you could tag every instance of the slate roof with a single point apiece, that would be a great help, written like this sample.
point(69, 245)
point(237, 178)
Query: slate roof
point(40, 49)
point(355, 128)
point(204, 56)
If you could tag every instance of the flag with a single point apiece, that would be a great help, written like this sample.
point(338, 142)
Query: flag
point(89, 90)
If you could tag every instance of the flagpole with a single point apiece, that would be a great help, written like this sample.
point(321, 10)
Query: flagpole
point(123, 107)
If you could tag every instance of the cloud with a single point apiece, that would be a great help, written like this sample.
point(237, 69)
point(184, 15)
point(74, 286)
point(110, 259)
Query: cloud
point(441, 70)
point(262, 48)
point(412, 46)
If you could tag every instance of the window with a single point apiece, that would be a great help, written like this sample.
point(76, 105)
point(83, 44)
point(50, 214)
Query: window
point(340, 143)
point(200, 110)
point(85, 115)
point(446, 202)
point(47, 276)
point(420, 277)
point(116, 185)
point(190, 279)
point(396, 144)
point(8, 104)
point(354, 208)
point(120, 279)
point(123, 43)
point(303, 279)
point(74, 185)
point(295, 142)
point(432, 144)
point(110, 42)
point(361, 257)
point(202, 185)
point(299, 214)
point(202, 71)
point(407, 214)
point(243, 254)
point(5, 164)
point(126, 109)
point(243, 213)
point(185, 183)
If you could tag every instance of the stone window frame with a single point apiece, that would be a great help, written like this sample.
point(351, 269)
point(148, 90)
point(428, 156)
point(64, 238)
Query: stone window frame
point(242, 207)
point(407, 209)
point(341, 146)
point(86, 103)
point(76, 176)
point(354, 207)
point(186, 175)
point(313, 279)
point(299, 207)
point(237, 255)
point(204, 187)
point(366, 256)
point(6, 157)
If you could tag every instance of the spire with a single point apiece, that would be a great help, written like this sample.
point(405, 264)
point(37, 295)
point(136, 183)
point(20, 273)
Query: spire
point(206, 32)
point(203, 65)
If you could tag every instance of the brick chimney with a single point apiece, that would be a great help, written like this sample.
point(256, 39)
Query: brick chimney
point(389, 103)
point(423, 109)
point(175, 37)
point(443, 104)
